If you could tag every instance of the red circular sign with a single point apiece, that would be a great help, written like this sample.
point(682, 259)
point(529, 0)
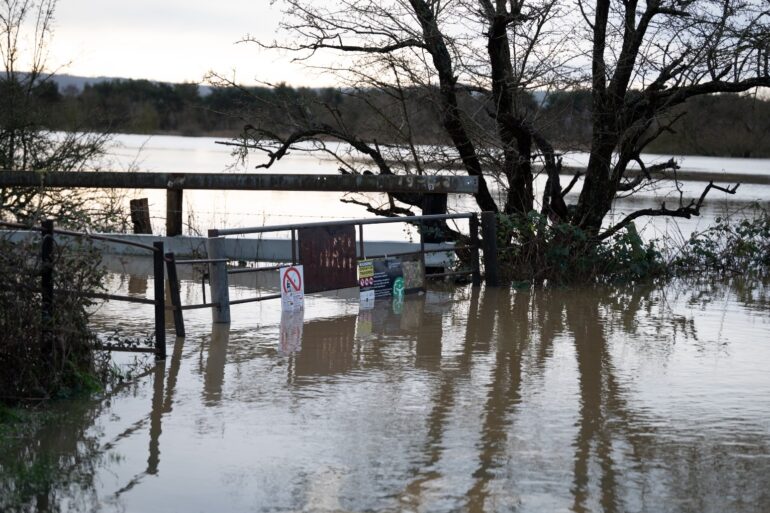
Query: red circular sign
point(292, 280)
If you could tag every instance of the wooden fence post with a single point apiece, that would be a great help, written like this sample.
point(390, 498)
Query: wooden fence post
point(220, 293)
point(489, 235)
point(173, 287)
point(140, 215)
point(174, 199)
point(160, 302)
point(46, 285)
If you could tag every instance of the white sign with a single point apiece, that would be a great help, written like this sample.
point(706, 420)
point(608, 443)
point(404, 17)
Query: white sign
point(292, 288)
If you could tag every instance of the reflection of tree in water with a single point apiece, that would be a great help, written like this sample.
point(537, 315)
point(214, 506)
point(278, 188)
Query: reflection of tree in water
point(621, 459)
point(37, 472)
point(622, 456)
point(53, 468)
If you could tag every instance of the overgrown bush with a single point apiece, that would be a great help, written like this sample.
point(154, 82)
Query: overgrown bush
point(532, 250)
point(45, 359)
point(728, 246)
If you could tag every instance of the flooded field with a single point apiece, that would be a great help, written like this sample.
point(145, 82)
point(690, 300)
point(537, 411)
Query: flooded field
point(222, 209)
point(645, 399)
point(641, 399)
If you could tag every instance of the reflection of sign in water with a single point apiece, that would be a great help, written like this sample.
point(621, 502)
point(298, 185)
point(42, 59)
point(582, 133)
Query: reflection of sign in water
point(291, 331)
point(329, 256)
point(364, 322)
point(398, 303)
point(328, 348)
point(292, 288)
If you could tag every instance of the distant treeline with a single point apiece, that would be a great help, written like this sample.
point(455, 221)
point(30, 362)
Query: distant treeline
point(721, 125)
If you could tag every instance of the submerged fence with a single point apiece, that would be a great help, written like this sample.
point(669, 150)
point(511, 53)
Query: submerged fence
point(218, 271)
point(48, 293)
point(165, 265)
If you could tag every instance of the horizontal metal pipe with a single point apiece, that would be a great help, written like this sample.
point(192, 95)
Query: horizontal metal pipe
point(377, 220)
point(81, 234)
point(113, 297)
point(435, 184)
point(444, 275)
point(255, 269)
point(124, 349)
point(254, 299)
point(195, 307)
point(202, 261)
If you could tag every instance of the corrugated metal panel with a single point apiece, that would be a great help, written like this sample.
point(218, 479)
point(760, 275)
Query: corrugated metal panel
point(328, 255)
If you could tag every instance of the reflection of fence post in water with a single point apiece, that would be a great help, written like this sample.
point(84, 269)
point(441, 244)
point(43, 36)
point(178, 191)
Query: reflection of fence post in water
point(489, 235)
point(46, 284)
point(473, 228)
point(156, 416)
point(214, 376)
point(215, 246)
point(160, 302)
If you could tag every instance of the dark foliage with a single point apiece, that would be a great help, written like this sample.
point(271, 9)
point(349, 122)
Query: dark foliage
point(42, 359)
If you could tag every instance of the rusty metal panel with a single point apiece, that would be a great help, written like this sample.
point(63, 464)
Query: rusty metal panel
point(328, 254)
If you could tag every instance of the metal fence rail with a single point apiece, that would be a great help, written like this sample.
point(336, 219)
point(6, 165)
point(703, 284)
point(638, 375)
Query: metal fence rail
point(219, 270)
point(48, 303)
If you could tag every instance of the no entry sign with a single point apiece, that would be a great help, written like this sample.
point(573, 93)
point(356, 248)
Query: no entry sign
point(292, 288)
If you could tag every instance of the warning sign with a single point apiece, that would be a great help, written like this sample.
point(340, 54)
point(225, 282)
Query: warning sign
point(292, 288)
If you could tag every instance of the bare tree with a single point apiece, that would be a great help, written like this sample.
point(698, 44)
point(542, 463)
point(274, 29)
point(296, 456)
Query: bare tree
point(480, 66)
point(26, 141)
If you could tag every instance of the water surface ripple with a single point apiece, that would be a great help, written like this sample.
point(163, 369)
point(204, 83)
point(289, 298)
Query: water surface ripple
point(644, 399)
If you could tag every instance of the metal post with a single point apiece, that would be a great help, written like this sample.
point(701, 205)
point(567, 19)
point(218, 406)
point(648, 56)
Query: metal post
point(173, 287)
point(160, 302)
point(361, 241)
point(489, 236)
point(422, 242)
point(220, 293)
point(46, 284)
point(293, 248)
point(474, 232)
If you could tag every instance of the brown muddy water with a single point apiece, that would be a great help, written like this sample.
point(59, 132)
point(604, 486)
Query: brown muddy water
point(644, 399)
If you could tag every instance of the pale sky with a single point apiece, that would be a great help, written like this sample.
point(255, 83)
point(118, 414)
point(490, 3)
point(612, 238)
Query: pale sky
point(171, 40)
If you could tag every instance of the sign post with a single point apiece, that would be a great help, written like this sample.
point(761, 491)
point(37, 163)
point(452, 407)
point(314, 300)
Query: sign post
point(292, 288)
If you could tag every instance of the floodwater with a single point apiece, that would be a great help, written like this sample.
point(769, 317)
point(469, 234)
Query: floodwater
point(645, 399)
point(227, 209)
point(641, 399)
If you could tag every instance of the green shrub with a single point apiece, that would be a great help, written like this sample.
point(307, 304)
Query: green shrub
point(531, 249)
point(31, 371)
point(728, 246)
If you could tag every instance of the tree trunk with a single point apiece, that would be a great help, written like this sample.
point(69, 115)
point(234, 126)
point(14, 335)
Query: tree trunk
point(598, 190)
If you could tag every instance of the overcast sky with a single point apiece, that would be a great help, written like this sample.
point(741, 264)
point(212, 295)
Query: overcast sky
point(171, 40)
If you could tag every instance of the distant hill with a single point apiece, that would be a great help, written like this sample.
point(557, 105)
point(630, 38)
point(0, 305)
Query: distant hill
point(66, 82)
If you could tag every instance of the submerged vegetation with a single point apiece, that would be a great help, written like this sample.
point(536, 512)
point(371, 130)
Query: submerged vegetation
point(50, 357)
point(733, 245)
point(564, 254)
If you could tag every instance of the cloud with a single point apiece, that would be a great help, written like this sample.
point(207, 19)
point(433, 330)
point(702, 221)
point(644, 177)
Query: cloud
point(172, 40)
